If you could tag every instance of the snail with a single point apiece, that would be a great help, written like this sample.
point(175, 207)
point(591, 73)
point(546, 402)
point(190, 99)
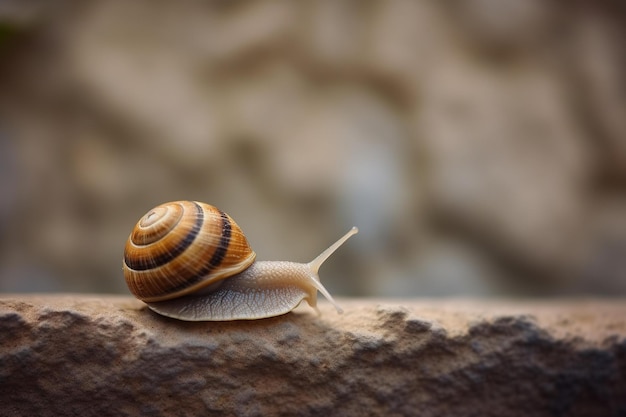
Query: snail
point(191, 261)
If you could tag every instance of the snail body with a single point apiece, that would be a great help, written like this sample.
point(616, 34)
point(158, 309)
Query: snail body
point(191, 261)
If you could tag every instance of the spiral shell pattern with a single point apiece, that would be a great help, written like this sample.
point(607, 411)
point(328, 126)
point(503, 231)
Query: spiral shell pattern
point(180, 247)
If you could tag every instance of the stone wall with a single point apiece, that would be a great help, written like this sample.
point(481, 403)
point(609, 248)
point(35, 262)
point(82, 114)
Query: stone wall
point(478, 145)
point(111, 356)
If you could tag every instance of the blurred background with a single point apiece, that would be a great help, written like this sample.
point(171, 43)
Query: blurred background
point(480, 145)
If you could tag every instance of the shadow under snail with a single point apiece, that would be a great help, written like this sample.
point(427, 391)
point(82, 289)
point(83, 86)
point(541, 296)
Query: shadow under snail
point(191, 261)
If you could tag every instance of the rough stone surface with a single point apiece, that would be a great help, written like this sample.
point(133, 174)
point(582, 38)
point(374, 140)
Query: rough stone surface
point(87, 355)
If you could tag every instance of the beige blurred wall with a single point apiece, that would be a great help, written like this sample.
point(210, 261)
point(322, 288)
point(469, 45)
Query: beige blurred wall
point(479, 146)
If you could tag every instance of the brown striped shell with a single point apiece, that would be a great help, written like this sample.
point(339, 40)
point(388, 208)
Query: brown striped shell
point(180, 247)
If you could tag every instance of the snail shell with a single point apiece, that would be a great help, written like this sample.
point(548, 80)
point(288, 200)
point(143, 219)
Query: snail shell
point(191, 261)
point(177, 248)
